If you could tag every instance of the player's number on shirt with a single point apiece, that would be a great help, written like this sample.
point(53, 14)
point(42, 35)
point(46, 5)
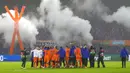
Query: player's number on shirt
point(1, 58)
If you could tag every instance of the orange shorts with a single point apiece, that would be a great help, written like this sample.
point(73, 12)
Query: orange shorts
point(39, 59)
point(67, 58)
point(35, 59)
point(50, 58)
point(55, 58)
point(78, 58)
point(46, 59)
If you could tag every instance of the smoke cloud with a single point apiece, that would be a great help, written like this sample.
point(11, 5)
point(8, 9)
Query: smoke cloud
point(96, 7)
point(63, 25)
point(91, 7)
point(27, 29)
point(122, 16)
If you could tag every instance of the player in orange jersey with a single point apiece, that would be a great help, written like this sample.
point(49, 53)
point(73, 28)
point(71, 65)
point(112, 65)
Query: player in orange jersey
point(78, 55)
point(54, 57)
point(67, 55)
point(51, 56)
point(46, 57)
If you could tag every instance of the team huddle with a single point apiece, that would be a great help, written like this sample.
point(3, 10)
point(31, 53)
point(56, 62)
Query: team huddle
point(68, 57)
point(53, 57)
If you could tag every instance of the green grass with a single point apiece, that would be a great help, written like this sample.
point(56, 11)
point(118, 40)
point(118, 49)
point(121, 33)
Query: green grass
point(111, 67)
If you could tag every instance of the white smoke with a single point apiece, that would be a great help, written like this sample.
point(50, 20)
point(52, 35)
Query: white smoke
point(64, 26)
point(91, 7)
point(62, 23)
point(96, 7)
point(39, 22)
point(28, 30)
point(122, 16)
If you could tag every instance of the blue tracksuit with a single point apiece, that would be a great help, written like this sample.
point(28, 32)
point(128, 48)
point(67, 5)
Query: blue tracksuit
point(85, 53)
point(72, 51)
point(61, 53)
point(124, 53)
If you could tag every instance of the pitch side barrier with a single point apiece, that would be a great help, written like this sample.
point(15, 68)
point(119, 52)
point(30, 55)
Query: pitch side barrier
point(10, 58)
point(108, 57)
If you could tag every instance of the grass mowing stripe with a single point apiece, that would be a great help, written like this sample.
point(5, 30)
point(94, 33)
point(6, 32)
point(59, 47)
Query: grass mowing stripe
point(111, 67)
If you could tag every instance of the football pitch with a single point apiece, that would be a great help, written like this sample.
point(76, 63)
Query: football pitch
point(111, 67)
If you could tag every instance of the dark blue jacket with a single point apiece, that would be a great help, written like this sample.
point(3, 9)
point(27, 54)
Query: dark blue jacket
point(61, 53)
point(32, 53)
point(72, 51)
point(124, 53)
point(85, 53)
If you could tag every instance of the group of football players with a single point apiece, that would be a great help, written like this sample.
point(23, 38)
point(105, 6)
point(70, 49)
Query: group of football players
point(67, 57)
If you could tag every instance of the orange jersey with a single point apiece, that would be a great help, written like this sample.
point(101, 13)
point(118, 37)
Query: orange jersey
point(51, 53)
point(46, 57)
point(47, 53)
point(67, 50)
point(55, 55)
point(77, 52)
point(55, 51)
